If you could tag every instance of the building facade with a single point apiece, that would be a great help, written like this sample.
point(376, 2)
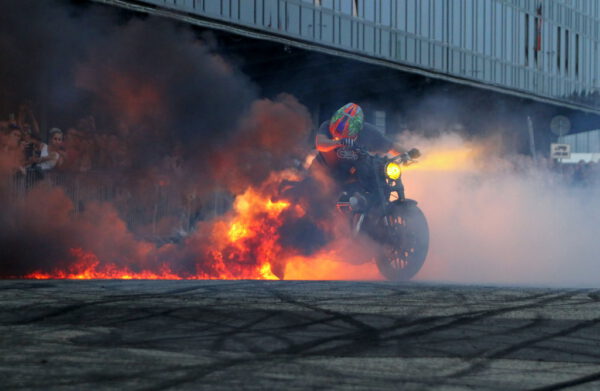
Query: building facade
point(584, 146)
point(546, 50)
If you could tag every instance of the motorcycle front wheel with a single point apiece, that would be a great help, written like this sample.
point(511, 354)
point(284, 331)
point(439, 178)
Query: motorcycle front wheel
point(405, 243)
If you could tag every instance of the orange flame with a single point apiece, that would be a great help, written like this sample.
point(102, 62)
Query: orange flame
point(457, 158)
point(245, 244)
point(242, 244)
point(88, 266)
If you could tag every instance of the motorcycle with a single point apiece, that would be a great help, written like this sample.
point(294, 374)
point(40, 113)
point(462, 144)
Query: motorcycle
point(376, 205)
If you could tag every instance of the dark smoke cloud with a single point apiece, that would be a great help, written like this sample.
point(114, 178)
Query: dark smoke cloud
point(158, 78)
point(144, 72)
point(161, 90)
point(40, 42)
point(39, 232)
point(270, 138)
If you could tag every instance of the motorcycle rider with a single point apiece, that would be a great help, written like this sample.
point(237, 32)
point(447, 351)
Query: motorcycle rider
point(347, 152)
point(337, 139)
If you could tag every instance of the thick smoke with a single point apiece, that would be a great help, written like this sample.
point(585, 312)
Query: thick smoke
point(39, 232)
point(499, 218)
point(166, 86)
point(158, 94)
point(161, 94)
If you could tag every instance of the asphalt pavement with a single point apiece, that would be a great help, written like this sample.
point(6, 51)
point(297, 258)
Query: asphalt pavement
point(288, 335)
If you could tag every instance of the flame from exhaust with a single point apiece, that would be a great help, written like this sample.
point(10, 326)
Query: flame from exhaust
point(459, 158)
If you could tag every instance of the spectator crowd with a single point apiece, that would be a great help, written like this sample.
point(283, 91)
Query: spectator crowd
point(83, 160)
point(583, 173)
point(26, 150)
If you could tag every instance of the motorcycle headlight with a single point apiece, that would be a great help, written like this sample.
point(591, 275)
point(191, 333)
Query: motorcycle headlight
point(393, 171)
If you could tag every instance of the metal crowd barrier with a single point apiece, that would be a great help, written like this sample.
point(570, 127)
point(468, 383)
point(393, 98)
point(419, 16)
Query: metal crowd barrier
point(157, 210)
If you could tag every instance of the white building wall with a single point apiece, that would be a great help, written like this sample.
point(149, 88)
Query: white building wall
point(543, 48)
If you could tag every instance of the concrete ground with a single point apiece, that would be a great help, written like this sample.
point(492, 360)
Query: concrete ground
point(230, 335)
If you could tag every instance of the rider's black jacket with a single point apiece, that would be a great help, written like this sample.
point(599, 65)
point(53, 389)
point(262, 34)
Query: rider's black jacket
point(344, 162)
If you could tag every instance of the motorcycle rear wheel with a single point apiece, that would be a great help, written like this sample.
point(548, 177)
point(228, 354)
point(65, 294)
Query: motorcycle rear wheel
point(405, 245)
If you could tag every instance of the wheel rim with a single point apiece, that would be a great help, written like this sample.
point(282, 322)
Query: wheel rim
point(406, 245)
point(400, 258)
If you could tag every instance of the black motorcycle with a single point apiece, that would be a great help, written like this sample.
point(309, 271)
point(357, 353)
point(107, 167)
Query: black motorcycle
point(375, 204)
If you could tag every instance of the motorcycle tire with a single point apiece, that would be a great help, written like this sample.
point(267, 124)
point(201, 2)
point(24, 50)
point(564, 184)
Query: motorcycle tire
point(405, 245)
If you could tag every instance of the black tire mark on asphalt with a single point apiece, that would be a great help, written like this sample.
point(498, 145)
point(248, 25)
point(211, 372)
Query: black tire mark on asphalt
point(474, 316)
point(482, 362)
point(570, 383)
point(348, 326)
point(362, 337)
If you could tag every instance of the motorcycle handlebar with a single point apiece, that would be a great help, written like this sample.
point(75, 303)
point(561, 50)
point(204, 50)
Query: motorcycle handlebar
point(403, 158)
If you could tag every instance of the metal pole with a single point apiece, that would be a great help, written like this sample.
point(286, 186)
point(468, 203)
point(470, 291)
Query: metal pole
point(531, 138)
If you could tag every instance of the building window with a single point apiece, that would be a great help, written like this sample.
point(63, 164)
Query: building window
point(566, 51)
point(577, 55)
point(355, 8)
point(558, 49)
point(594, 69)
point(526, 40)
point(537, 46)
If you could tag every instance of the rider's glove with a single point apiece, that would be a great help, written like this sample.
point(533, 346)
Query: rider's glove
point(414, 153)
point(348, 142)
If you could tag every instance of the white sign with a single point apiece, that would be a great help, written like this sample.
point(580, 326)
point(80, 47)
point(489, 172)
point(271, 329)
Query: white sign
point(560, 151)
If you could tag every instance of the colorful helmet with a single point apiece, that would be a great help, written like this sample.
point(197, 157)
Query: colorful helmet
point(347, 122)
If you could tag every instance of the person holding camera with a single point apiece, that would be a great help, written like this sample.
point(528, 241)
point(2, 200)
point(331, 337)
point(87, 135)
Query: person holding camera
point(51, 154)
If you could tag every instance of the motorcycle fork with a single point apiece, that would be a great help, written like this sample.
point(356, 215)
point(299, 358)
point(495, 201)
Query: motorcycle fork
point(358, 225)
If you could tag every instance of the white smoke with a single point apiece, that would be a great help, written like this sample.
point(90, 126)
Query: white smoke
point(500, 219)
